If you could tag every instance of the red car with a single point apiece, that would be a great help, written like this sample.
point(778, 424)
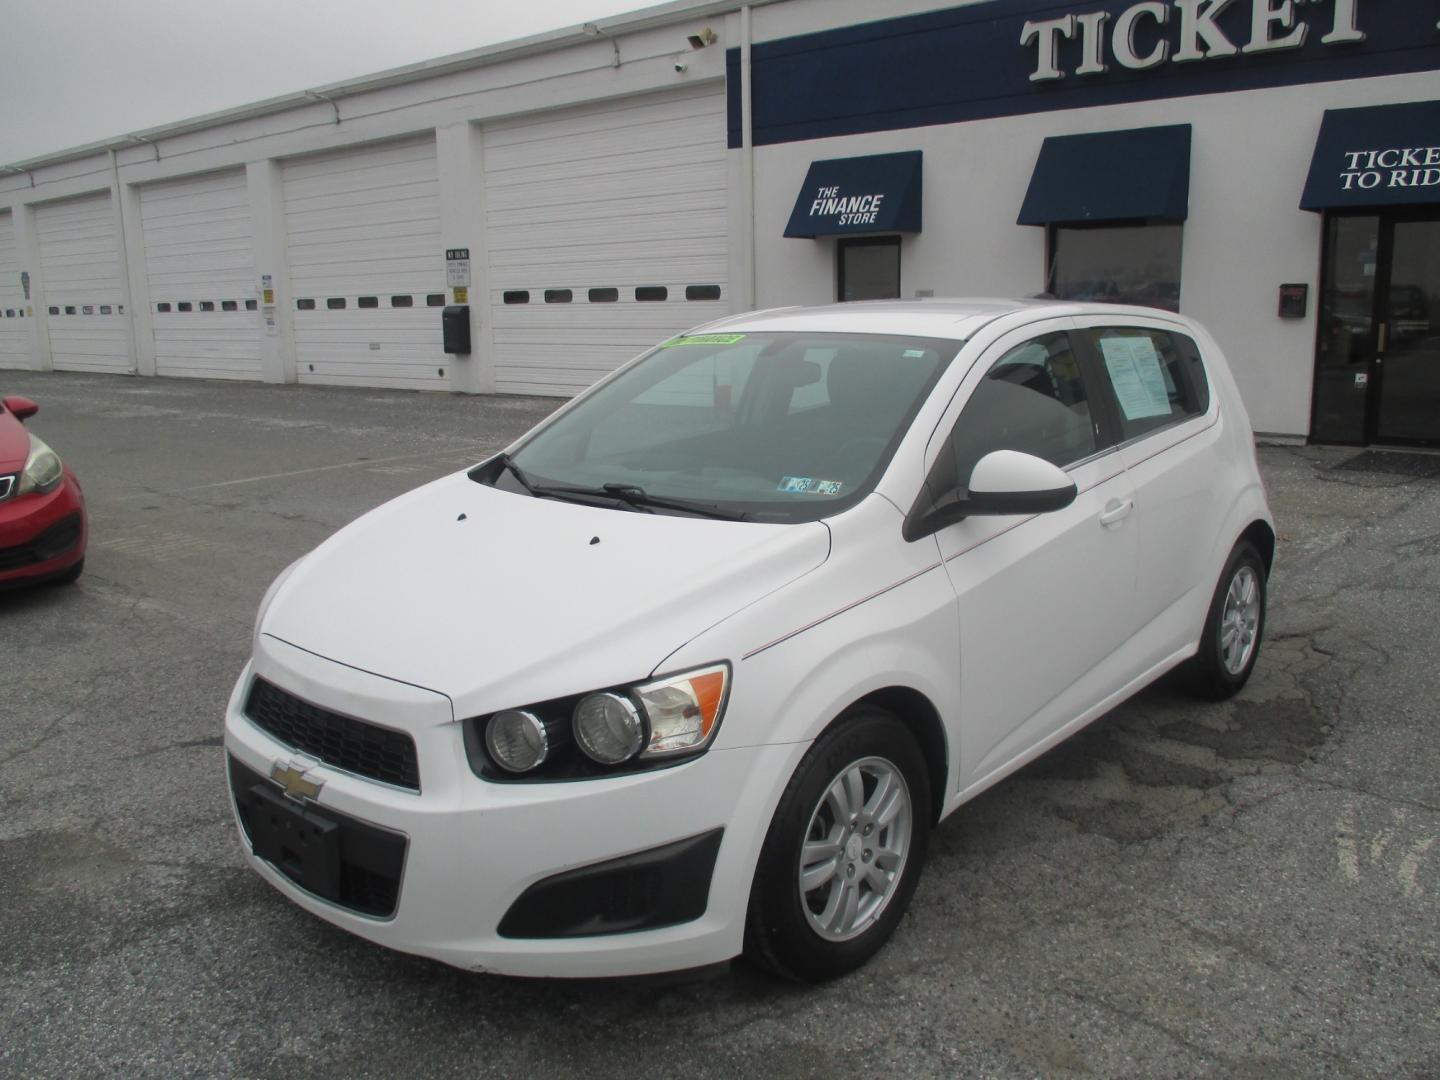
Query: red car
point(43, 527)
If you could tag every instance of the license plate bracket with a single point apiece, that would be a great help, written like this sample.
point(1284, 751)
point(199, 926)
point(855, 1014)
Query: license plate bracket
point(300, 842)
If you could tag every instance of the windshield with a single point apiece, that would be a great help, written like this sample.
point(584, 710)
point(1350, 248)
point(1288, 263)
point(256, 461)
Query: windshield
point(757, 426)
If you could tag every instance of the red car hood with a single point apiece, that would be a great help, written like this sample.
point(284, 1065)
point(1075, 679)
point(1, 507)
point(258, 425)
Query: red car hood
point(14, 444)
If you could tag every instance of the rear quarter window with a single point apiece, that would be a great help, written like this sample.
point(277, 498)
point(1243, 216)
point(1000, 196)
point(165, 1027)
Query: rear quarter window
point(1157, 378)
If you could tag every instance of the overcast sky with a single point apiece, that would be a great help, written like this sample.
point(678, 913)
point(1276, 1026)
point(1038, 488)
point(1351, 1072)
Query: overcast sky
point(78, 71)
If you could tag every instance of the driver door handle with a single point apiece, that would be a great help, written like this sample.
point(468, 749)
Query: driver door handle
point(1116, 511)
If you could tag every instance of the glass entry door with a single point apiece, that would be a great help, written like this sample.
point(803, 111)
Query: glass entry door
point(1377, 358)
point(1409, 346)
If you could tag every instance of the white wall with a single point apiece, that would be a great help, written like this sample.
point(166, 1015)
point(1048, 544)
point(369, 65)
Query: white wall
point(453, 106)
point(1244, 236)
point(1250, 154)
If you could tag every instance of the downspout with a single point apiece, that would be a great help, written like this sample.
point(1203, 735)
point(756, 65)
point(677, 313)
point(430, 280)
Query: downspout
point(747, 159)
point(118, 194)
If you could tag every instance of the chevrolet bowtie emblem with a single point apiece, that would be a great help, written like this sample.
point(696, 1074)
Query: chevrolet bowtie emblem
point(291, 776)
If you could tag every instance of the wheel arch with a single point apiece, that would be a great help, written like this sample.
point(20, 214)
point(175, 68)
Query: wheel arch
point(1262, 536)
point(919, 715)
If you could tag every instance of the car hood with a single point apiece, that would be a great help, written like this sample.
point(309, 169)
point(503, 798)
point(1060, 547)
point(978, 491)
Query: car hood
point(497, 599)
point(14, 445)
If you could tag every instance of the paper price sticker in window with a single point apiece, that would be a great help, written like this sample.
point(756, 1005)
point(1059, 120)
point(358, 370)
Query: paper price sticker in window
point(1135, 372)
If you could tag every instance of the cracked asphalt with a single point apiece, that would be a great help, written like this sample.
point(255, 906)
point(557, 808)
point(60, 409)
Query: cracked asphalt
point(1249, 889)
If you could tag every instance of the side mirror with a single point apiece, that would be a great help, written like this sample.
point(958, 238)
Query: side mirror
point(1002, 482)
point(22, 408)
point(1009, 482)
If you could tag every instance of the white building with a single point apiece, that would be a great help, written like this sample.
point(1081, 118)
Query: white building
point(600, 188)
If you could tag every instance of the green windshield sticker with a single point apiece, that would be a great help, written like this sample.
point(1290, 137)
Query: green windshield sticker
point(914, 354)
point(804, 485)
point(705, 339)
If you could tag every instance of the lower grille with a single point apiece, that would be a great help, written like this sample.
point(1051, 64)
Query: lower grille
point(348, 862)
point(50, 544)
point(342, 741)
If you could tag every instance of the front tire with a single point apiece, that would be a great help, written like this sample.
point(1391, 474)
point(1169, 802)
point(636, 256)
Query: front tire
point(844, 851)
point(1234, 625)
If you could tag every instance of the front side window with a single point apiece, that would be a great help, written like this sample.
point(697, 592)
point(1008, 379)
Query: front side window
point(1156, 377)
point(1127, 264)
point(765, 426)
point(1033, 399)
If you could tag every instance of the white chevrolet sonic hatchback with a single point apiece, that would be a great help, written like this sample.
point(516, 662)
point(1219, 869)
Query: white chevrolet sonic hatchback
point(694, 667)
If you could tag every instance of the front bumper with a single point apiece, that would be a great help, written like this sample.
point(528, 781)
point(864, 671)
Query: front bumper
point(473, 849)
point(42, 535)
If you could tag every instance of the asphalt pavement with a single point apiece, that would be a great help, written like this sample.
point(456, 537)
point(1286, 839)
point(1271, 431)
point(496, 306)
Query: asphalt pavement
point(1250, 889)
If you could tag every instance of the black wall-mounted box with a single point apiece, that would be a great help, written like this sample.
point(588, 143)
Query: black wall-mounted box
point(456, 322)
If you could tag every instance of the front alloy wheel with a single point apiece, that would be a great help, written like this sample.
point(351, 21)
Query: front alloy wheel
point(855, 849)
point(844, 850)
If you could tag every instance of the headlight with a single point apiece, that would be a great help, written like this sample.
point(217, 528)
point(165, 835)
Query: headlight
point(683, 711)
point(42, 468)
point(519, 740)
point(608, 728)
point(647, 725)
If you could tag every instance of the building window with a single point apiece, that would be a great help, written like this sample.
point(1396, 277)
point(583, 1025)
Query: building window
point(1118, 264)
point(604, 296)
point(651, 293)
point(868, 268)
point(559, 296)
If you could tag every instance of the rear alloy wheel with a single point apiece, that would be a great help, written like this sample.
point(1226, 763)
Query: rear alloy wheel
point(1234, 625)
point(844, 851)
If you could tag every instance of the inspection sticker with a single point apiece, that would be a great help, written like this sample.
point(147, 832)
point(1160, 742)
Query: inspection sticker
point(705, 339)
point(803, 485)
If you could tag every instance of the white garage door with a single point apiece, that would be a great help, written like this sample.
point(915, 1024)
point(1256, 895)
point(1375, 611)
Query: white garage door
point(200, 262)
point(606, 232)
point(80, 264)
point(14, 326)
point(367, 270)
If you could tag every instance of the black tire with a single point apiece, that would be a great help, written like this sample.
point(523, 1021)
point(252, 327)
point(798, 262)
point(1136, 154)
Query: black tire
point(781, 929)
point(70, 575)
point(1218, 671)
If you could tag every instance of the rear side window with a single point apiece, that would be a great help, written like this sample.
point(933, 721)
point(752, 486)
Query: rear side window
point(1156, 377)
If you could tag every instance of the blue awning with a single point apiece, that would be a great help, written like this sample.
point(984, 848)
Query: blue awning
point(878, 193)
point(1142, 173)
point(1385, 155)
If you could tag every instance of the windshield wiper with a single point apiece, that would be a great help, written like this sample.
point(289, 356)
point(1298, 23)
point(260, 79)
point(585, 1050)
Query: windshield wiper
point(633, 496)
point(508, 463)
point(638, 496)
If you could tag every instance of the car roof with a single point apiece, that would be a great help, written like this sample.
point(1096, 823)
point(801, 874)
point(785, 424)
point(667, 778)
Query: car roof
point(957, 318)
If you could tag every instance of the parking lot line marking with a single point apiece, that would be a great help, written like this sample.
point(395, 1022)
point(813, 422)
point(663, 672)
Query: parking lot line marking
point(287, 475)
